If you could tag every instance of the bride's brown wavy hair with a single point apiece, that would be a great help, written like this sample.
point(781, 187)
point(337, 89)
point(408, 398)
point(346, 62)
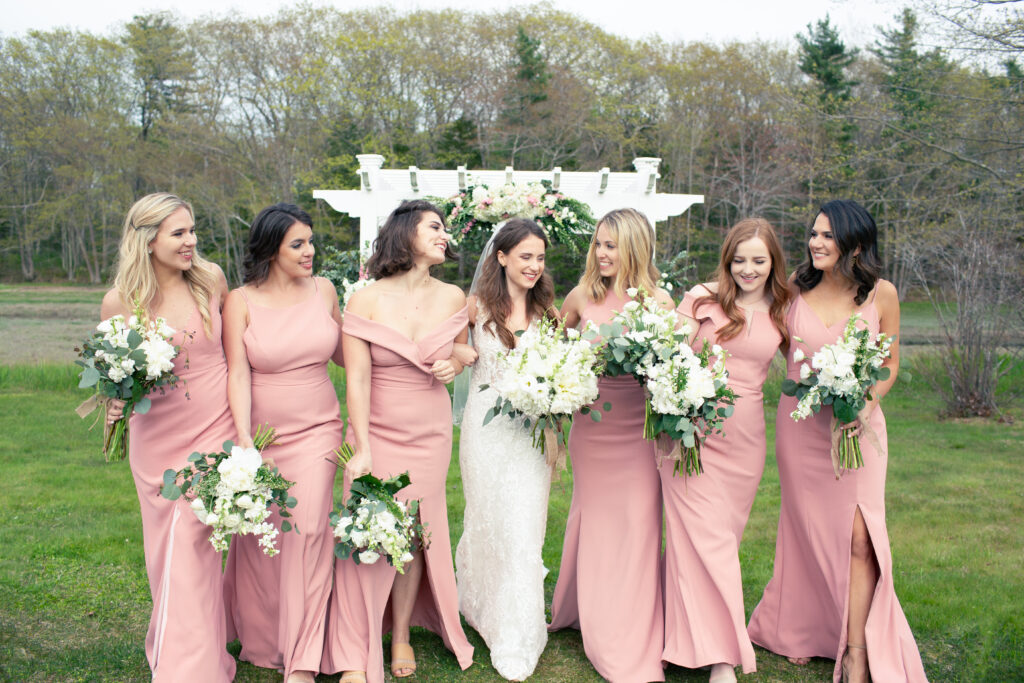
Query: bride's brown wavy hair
point(492, 288)
point(748, 229)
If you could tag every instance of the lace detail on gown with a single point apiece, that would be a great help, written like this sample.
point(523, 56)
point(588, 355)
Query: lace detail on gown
point(500, 571)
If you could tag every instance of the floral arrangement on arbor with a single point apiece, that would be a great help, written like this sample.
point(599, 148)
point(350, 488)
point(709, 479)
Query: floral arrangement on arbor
point(474, 213)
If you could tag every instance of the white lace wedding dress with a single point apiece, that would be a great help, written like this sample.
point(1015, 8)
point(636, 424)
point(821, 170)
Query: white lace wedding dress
point(499, 569)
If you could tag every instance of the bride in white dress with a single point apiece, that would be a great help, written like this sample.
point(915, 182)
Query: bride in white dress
point(498, 563)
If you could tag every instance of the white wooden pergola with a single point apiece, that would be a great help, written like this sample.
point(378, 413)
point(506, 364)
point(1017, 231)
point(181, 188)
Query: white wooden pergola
point(381, 190)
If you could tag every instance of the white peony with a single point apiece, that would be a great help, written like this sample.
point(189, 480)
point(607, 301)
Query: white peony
point(238, 470)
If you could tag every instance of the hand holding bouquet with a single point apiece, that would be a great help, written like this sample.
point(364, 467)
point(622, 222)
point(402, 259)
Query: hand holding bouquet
point(372, 523)
point(232, 491)
point(548, 376)
point(126, 360)
point(841, 375)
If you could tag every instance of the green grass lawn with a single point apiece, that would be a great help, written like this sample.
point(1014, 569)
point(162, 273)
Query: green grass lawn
point(74, 602)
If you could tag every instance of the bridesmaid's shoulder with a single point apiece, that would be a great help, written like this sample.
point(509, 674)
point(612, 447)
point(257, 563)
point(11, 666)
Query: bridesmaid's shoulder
point(326, 288)
point(363, 301)
point(221, 289)
point(886, 296)
point(576, 298)
point(451, 296)
point(703, 289)
point(113, 305)
point(663, 298)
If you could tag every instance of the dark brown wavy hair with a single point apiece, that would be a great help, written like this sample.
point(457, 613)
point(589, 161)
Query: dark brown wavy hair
point(392, 250)
point(492, 288)
point(747, 229)
point(852, 227)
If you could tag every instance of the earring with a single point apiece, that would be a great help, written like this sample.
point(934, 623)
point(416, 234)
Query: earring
point(149, 251)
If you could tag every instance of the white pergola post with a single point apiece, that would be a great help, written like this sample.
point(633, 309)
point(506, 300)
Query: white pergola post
point(381, 190)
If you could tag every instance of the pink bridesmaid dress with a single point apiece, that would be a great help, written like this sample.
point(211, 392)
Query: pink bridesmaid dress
point(804, 608)
point(187, 630)
point(609, 583)
point(410, 430)
point(277, 605)
point(705, 515)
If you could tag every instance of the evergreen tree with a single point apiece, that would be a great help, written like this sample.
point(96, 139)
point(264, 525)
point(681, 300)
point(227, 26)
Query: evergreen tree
point(825, 58)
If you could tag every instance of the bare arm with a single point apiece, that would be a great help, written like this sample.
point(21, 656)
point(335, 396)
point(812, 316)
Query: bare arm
point(888, 305)
point(236, 320)
point(330, 294)
point(446, 370)
point(572, 307)
point(357, 399)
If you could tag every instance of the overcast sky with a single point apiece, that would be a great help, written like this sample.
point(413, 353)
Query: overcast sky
point(688, 20)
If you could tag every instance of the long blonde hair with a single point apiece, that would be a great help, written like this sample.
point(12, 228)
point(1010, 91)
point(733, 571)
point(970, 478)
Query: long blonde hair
point(634, 236)
point(135, 279)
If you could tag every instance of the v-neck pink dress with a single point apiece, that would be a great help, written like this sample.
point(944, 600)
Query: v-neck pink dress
point(705, 622)
point(277, 605)
point(803, 611)
point(187, 631)
point(410, 430)
point(609, 582)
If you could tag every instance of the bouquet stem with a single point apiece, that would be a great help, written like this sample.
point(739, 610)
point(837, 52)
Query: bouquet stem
point(649, 432)
point(690, 461)
point(850, 457)
point(115, 439)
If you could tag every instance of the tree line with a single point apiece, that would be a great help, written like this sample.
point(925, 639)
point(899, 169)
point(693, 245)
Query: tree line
point(236, 113)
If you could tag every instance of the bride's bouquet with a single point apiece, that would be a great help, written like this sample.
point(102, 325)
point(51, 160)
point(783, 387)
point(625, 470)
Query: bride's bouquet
point(841, 375)
point(126, 360)
point(232, 491)
point(688, 398)
point(688, 395)
point(373, 524)
point(549, 375)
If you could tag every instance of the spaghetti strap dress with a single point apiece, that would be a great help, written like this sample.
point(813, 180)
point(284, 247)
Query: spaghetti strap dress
point(410, 431)
point(277, 606)
point(187, 630)
point(804, 609)
point(705, 622)
point(609, 583)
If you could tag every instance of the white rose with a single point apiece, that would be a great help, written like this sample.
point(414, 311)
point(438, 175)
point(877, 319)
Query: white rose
point(211, 519)
point(632, 291)
point(105, 327)
point(805, 371)
point(232, 521)
point(368, 557)
point(799, 355)
point(244, 502)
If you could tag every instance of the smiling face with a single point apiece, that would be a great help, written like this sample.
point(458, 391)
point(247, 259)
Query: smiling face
point(524, 263)
point(607, 252)
point(430, 240)
point(175, 241)
point(751, 265)
point(824, 250)
point(295, 255)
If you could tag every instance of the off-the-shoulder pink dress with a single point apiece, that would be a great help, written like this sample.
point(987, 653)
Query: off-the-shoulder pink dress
point(705, 515)
point(187, 631)
point(609, 583)
point(278, 605)
point(410, 430)
point(804, 608)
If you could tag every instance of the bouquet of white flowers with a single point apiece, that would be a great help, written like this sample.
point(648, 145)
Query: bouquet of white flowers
point(841, 375)
point(126, 360)
point(372, 523)
point(688, 398)
point(687, 393)
point(232, 491)
point(549, 375)
point(639, 336)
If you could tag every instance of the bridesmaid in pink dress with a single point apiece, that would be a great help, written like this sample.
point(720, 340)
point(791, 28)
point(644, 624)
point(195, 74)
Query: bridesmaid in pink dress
point(398, 336)
point(280, 329)
point(159, 267)
point(831, 594)
point(743, 311)
point(609, 583)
